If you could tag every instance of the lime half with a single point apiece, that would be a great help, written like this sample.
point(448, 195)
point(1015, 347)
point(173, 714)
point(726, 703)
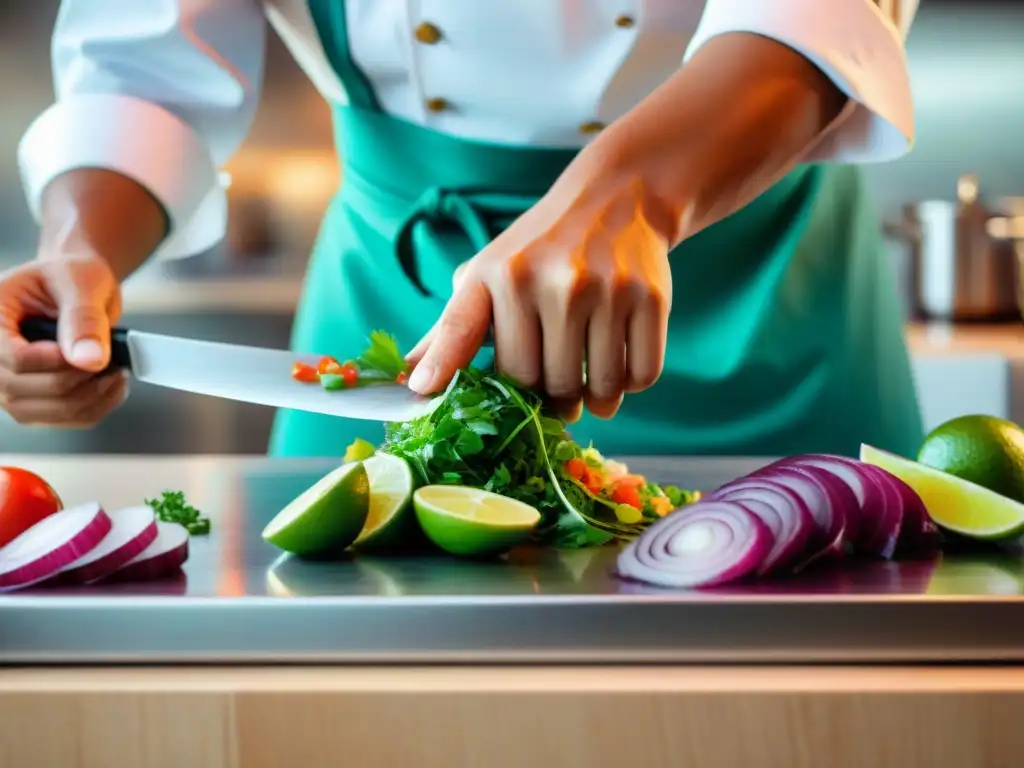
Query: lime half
point(391, 521)
point(326, 518)
point(472, 522)
point(952, 502)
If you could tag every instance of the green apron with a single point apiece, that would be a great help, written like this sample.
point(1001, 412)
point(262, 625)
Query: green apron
point(785, 334)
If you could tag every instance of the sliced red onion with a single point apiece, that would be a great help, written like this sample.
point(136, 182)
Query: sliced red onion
point(52, 544)
point(829, 500)
point(850, 471)
point(164, 557)
point(880, 526)
point(918, 532)
point(702, 544)
point(781, 509)
point(133, 530)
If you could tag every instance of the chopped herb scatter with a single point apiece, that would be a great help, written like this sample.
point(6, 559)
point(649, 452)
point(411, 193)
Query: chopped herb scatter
point(171, 507)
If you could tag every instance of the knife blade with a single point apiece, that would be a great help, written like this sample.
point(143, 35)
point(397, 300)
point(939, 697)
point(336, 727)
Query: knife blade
point(243, 373)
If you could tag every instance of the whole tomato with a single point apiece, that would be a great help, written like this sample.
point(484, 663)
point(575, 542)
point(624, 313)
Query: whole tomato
point(25, 499)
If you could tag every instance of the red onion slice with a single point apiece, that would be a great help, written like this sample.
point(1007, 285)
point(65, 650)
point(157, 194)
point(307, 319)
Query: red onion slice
point(918, 532)
point(781, 509)
point(52, 544)
point(850, 471)
point(133, 530)
point(829, 501)
point(701, 545)
point(163, 557)
point(880, 530)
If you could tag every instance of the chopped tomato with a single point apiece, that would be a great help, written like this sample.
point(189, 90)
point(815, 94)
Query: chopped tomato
point(631, 481)
point(625, 494)
point(593, 481)
point(350, 374)
point(305, 373)
point(328, 365)
point(402, 378)
point(577, 469)
point(25, 499)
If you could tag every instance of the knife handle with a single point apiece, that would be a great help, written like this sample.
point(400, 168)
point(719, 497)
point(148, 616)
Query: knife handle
point(45, 329)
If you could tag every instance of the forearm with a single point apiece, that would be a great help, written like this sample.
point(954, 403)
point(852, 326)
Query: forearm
point(98, 212)
point(730, 123)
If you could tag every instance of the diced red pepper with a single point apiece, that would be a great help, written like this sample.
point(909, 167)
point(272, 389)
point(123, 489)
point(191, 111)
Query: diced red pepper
point(625, 494)
point(350, 374)
point(577, 469)
point(305, 373)
point(328, 365)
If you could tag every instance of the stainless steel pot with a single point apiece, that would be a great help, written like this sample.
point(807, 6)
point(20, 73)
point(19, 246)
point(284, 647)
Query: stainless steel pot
point(966, 257)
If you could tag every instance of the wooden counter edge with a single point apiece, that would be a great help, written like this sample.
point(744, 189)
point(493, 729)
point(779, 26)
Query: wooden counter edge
point(510, 717)
point(512, 679)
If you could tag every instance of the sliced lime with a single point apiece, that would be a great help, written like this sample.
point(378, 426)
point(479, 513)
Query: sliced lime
point(327, 517)
point(953, 503)
point(472, 522)
point(391, 521)
point(359, 450)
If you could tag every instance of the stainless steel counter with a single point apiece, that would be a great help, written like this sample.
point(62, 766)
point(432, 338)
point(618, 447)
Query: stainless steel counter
point(240, 601)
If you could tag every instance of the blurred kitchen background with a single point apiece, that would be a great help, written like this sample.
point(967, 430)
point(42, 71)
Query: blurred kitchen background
point(967, 66)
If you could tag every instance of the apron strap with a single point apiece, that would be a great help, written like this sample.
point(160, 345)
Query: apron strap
point(332, 29)
point(480, 215)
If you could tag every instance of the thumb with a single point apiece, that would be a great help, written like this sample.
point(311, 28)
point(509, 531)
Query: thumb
point(83, 323)
point(456, 338)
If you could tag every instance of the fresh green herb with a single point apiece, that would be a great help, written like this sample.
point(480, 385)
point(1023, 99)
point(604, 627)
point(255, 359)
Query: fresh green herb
point(489, 432)
point(381, 357)
point(171, 507)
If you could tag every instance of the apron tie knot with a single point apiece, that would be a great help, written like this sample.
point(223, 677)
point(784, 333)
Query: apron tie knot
point(470, 211)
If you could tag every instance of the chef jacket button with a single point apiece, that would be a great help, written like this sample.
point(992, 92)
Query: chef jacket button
point(592, 127)
point(428, 33)
point(624, 21)
point(437, 104)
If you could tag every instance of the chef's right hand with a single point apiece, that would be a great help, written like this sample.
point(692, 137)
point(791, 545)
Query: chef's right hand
point(59, 384)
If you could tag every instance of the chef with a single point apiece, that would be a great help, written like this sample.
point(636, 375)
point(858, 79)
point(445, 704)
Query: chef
point(655, 204)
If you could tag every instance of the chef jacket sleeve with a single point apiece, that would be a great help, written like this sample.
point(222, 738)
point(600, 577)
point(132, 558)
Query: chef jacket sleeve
point(859, 44)
point(161, 91)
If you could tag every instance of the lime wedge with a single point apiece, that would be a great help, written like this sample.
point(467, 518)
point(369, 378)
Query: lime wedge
point(391, 521)
point(953, 503)
point(472, 522)
point(359, 450)
point(326, 518)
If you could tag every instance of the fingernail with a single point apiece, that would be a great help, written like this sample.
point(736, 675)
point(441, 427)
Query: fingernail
point(86, 352)
point(422, 377)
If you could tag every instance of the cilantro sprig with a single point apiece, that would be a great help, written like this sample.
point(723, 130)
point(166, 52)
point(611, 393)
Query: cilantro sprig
point(171, 507)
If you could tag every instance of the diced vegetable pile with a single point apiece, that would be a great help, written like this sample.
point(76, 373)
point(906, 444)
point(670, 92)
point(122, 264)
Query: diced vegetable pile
point(493, 434)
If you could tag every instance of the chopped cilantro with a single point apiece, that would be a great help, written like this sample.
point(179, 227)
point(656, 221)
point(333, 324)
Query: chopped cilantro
point(171, 507)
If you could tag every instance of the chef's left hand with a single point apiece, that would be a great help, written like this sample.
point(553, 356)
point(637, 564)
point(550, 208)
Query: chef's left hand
point(578, 290)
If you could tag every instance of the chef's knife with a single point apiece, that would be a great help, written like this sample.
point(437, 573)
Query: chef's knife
point(242, 373)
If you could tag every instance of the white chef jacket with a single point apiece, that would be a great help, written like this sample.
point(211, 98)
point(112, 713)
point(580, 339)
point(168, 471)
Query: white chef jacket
point(164, 91)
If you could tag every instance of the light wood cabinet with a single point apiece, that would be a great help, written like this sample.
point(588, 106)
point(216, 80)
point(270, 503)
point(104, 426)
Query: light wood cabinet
point(853, 717)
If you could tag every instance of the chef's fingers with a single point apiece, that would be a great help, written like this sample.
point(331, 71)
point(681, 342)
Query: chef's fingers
point(84, 405)
point(606, 356)
point(645, 343)
point(39, 385)
point(83, 291)
point(517, 327)
point(417, 352)
point(564, 337)
point(111, 398)
point(457, 337)
point(20, 357)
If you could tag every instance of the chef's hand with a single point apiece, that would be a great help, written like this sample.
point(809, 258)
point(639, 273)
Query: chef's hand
point(579, 291)
point(49, 383)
